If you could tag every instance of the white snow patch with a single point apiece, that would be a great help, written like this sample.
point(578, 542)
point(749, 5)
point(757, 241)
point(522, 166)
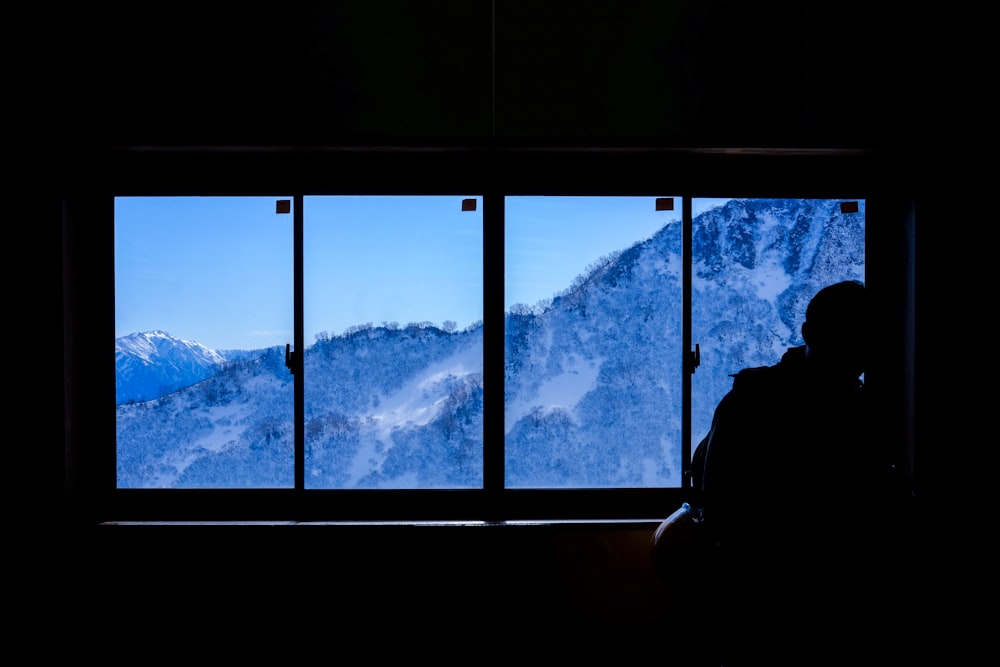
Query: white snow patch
point(416, 403)
point(562, 391)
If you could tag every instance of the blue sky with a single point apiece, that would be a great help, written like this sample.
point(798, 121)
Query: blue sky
point(218, 270)
point(552, 240)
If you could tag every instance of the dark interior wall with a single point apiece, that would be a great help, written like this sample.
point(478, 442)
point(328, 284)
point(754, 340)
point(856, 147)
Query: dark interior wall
point(684, 73)
point(447, 593)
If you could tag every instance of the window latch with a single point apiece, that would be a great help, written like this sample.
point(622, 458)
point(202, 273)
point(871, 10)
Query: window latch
point(694, 359)
point(291, 358)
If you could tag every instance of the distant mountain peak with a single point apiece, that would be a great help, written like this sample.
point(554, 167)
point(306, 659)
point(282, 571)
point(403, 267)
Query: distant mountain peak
point(150, 364)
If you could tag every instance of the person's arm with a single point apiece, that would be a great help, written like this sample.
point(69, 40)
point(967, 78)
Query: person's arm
point(719, 480)
point(737, 479)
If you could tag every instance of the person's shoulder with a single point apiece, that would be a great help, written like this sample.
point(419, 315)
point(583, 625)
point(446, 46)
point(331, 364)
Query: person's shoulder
point(758, 379)
point(755, 377)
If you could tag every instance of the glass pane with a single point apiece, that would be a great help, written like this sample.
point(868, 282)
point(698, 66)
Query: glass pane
point(393, 310)
point(203, 309)
point(593, 308)
point(756, 265)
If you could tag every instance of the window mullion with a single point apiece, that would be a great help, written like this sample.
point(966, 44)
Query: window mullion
point(299, 346)
point(686, 344)
point(493, 346)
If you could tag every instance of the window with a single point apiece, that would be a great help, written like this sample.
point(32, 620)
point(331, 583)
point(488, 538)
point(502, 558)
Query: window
point(417, 353)
point(592, 330)
point(393, 364)
point(203, 305)
point(755, 265)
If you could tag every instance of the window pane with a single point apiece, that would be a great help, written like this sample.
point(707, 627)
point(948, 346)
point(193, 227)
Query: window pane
point(203, 309)
point(756, 264)
point(593, 357)
point(393, 310)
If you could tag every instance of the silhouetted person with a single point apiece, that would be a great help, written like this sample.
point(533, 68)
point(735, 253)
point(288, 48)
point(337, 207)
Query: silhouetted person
point(802, 500)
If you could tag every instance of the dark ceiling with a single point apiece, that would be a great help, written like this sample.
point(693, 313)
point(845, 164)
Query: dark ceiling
point(495, 72)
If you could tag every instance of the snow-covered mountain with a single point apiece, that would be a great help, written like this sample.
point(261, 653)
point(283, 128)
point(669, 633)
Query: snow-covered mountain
point(591, 386)
point(154, 363)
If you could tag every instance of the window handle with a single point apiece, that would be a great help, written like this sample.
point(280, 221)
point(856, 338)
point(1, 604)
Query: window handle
point(291, 358)
point(694, 358)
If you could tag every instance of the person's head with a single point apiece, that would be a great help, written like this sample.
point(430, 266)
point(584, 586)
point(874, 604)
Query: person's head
point(836, 328)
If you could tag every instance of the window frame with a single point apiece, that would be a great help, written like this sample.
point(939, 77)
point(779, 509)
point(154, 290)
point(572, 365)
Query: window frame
point(492, 173)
